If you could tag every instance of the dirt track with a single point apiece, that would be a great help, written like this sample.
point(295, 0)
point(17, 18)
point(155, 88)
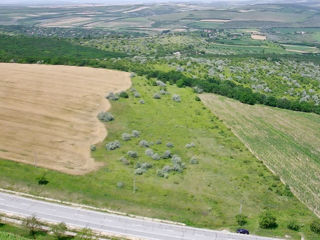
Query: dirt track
point(48, 113)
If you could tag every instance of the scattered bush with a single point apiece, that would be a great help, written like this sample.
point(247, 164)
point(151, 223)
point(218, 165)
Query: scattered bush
point(170, 145)
point(176, 159)
point(141, 101)
point(139, 171)
point(135, 133)
point(267, 221)
point(113, 145)
point(132, 154)
point(161, 174)
point(315, 226)
point(146, 165)
point(158, 142)
point(126, 136)
point(149, 152)
point(241, 219)
point(160, 83)
point(132, 75)
point(93, 148)
point(137, 95)
point(294, 226)
point(120, 184)
point(157, 96)
point(197, 89)
point(163, 92)
point(144, 143)
point(197, 99)
point(166, 154)
point(105, 117)
point(193, 160)
point(112, 96)
point(156, 156)
point(124, 161)
point(190, 145)
point(124, 94)
point(166, 169)
point(176, 98)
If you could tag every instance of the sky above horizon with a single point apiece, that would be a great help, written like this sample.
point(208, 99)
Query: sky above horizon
point(105, 1)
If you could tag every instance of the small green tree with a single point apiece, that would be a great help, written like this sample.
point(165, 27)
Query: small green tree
point(293, 225)
point(32, 224)
point(315, 226)
point(241, 219)
point(59, 230)
point(124, 94)
point(267, 221)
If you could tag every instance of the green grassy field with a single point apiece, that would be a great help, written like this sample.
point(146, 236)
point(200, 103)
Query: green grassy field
point(9, 236)
point(208, 194)
point(286, 141)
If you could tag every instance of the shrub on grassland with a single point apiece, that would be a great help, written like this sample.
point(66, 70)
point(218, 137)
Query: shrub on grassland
point(93, 148)
point(135, 133)
point(166, 154)
point(132, 154)
point(267, 221)
point(170, 145)
point(190, 145)
point(139, 171)
point(149, 152)
point(157, 96)
point(194, 160)
point(112, 96)
point(241, 219)
point(124, 94)
point(156, 156)
point(293, 225)
point(144, 143)
point(160, 83)
point(137, 95)
point(113, 145)
point(124, 161)
point(126, 136)
point(105, 117)
point(176, 98)
point(315, 226)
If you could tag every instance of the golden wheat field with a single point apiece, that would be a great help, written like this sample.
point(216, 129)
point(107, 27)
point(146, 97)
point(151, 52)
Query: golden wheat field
point(48, 114)
point(287, 142)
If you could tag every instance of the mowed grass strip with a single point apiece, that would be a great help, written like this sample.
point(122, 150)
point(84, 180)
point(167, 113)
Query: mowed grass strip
point(287, 142)
point(209, 194)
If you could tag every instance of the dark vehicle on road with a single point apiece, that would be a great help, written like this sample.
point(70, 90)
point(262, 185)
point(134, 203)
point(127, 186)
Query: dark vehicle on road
point(243, 231)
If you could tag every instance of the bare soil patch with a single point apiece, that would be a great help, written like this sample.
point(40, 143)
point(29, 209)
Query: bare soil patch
point(48, 113)
point(258, 37)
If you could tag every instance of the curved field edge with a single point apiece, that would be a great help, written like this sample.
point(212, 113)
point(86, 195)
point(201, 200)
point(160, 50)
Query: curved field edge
point(208, 194)
point(286, 141)
point(48, 114)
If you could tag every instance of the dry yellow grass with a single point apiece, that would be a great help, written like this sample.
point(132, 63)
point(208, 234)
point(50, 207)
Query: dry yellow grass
point(287, 142)
point(48, 113)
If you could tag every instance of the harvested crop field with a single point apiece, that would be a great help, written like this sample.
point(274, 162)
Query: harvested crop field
point(48, 113)
point(286, 141)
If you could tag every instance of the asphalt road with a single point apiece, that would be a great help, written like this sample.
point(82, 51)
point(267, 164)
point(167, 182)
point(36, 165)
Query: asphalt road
point(111, 223)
